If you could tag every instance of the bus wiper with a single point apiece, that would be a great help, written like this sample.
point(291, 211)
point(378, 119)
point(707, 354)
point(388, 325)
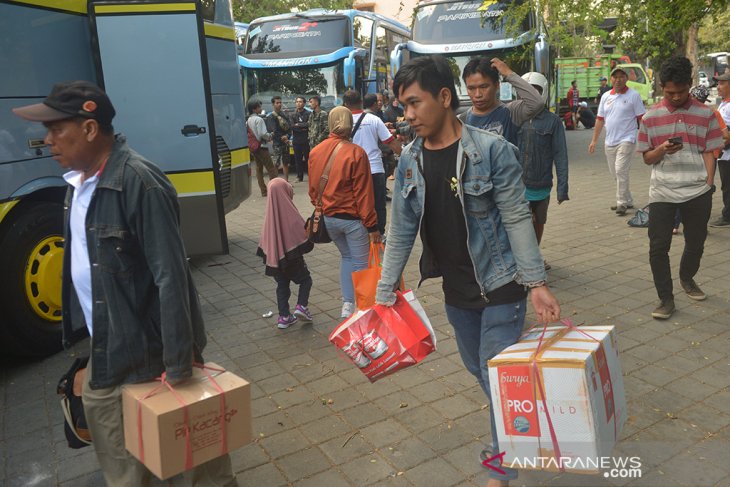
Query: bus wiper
point(318, 19)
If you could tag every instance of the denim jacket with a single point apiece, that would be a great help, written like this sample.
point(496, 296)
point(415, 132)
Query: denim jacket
point(146, 314)
point(542, 142)
point(501, 239)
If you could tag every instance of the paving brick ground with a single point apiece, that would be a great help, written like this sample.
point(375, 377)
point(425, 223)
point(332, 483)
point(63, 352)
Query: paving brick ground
point(319, 422)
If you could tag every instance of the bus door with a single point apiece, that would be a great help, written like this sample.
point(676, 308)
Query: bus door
point(151, 60)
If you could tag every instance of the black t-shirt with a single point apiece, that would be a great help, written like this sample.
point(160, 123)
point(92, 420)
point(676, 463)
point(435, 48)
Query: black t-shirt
point(444, 231)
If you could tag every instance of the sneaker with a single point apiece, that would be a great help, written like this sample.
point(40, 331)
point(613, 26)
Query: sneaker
point(720, 222)
point(347, 309)
point(664, 310)
point(285, 322)
point(547, 266)
point(621, 210)
point(615, 207)
point(302, 312)
point(693, 290)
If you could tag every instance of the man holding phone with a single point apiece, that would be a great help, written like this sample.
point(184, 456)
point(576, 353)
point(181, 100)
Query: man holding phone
point(682, 162)
point(619, 110)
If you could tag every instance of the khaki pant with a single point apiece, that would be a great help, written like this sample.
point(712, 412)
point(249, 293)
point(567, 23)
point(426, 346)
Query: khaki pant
point(103, 409)
point(619, 164)
point(263, 160)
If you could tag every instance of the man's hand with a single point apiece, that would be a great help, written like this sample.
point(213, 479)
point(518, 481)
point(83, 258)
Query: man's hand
point(670, 148)
point(545, 304)
point(592, 147)
point(284, 138)
point(375, 237)
point(501, 66)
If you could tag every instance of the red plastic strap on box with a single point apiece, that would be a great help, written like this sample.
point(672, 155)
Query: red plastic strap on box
point(538, 381)
point(553, 437)
point(186, 416)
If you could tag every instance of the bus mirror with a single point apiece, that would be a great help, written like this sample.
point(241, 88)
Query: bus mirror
point(542, 56)
point(396, 58)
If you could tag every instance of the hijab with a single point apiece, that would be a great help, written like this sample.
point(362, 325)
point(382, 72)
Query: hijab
point(283, 229)
point(340, 122)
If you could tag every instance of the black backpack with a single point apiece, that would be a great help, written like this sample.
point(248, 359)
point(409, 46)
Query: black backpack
point(74, 425)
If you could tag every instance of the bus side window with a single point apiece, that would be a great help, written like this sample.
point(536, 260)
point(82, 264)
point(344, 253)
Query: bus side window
point(363, 32)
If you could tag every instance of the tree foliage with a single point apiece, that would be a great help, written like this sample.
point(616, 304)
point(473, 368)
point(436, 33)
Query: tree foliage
point(248, 10)
point(646, 29)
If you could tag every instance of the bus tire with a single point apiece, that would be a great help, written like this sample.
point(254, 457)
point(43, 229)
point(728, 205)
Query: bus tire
point(31, 260)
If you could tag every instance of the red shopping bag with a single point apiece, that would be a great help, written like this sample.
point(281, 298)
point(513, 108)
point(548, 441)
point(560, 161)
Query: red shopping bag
point(365, 281)
point(381, 340)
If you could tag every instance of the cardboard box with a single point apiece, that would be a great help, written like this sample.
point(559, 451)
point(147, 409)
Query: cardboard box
point(580, 376)
point(154, 410)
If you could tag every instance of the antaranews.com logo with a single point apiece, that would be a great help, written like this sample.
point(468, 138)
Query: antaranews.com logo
point(611, 467)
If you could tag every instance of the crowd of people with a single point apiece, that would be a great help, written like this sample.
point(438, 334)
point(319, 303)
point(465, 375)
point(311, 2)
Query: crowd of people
point(474, 187)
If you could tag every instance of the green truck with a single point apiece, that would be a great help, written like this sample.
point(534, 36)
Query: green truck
point(587, 71)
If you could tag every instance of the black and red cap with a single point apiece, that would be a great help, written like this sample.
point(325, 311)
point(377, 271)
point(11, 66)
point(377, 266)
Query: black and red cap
point(68, 100)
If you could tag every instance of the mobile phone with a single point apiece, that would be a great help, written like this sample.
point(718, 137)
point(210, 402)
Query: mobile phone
point(675, 140)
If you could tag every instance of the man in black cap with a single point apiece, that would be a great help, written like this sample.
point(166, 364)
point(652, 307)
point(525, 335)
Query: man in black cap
point(126, 280)
point(602, 89)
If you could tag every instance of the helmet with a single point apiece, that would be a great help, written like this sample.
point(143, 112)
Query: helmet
point(700, 93)
point(538, 80)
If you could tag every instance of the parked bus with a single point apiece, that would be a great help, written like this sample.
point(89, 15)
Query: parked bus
point(171, 71)
point(714, 64)
point(323, 52)
point(462, 30)
point(241, 31)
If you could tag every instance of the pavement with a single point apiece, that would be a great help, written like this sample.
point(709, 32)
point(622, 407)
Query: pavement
point(317, 421)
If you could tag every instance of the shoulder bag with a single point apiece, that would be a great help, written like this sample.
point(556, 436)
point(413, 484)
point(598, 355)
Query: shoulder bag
point(314, 226)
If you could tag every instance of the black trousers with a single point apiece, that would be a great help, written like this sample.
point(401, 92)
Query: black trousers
point(300, 276)
point(379, 190)
point(695, 214)
point(723, 167)
point(301, 158)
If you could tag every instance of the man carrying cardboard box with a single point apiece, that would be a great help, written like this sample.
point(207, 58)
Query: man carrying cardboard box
point(461, 188)
point(126, 280)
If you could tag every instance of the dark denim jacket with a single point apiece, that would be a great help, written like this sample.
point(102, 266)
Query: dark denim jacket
point(542, 142)
point(146, 314)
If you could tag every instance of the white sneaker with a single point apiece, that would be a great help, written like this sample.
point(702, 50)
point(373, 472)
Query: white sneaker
point(347, 309)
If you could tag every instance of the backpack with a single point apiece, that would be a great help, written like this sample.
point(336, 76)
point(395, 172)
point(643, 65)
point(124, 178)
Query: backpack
point(253, 143)
point(74, 426)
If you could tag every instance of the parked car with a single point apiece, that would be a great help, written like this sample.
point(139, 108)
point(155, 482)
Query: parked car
point(704, 80)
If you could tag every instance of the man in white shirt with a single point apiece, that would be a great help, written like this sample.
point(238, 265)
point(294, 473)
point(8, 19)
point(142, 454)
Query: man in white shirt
point(367, 131)
point(723, 162)
point(620, 110)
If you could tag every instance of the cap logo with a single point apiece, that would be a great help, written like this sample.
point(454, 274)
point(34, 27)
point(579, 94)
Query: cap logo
point(89, 106)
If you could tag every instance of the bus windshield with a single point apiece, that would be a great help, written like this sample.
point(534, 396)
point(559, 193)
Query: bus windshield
point(457, 63)
point(325, 81)
point(300, 34)
point(461, 22)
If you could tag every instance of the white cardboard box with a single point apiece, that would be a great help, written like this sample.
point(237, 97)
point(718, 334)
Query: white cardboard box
point(583, 391)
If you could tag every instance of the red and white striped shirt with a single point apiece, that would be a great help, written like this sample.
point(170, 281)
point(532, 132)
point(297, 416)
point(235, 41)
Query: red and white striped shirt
point(680, 176)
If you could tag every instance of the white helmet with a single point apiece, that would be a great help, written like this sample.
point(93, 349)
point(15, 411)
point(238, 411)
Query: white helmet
point(538, 80)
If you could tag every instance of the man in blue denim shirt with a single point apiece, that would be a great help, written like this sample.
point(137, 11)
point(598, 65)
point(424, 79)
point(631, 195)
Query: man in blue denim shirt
point(461, 188)
point(542, 145)
point(125, 279)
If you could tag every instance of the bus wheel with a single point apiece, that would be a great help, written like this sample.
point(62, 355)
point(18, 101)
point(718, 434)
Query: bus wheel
point(31, 260)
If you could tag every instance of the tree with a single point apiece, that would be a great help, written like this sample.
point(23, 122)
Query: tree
point(248, 10)
point(648, 29)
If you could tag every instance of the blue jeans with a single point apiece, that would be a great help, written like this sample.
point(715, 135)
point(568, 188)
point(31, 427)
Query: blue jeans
point(480, 335)
point(352, 240)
